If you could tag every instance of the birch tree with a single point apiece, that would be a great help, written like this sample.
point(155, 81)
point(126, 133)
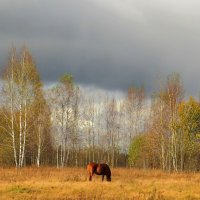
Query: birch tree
point(174, 96)
point(20, 78)
point(111, 129)
point(40, 131)
point(165, 118)
point(64, 109)
point(134, 104)
point(88, 125)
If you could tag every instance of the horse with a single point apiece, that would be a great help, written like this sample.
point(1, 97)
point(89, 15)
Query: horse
point(99, 169)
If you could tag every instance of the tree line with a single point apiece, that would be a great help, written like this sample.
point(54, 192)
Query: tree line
point(171, 140)
point(66, 126)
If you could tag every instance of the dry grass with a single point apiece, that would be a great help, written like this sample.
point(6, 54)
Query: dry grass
point(72, 183)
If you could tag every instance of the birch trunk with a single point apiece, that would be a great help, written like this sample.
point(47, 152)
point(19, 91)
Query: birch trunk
point(12, 112)
point(39, 146)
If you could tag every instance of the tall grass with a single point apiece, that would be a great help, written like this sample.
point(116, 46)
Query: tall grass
point(72, 183)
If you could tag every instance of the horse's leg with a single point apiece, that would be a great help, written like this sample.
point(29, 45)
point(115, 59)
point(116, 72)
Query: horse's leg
point(90, 177)
point(108, 178)
point(102, 178)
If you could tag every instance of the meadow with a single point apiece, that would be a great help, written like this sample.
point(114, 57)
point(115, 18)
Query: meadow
point(72, 183)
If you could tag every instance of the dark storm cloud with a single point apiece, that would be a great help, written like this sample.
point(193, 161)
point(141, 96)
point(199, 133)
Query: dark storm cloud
point(106, 43)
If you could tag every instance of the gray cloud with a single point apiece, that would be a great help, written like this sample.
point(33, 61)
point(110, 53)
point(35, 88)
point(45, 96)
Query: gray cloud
point(111, 44)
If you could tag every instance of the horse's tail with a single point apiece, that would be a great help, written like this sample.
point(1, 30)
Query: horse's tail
point(108, 173)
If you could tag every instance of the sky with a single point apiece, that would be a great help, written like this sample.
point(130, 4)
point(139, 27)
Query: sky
point(107, 44)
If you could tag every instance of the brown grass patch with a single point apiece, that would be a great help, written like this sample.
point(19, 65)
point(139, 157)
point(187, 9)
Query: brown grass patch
point(72, 183)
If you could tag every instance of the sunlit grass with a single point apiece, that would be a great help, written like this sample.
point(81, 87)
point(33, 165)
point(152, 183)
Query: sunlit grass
point(72, 183)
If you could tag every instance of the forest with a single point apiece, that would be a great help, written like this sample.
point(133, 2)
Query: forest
point(65, 126)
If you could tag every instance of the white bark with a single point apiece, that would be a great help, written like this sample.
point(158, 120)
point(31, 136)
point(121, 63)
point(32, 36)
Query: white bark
point(39, 145)
point(12, 110)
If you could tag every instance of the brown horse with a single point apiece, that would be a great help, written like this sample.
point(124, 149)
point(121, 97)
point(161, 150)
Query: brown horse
point(99, 169)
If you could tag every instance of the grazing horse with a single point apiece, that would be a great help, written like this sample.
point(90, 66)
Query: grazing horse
point(99, 169)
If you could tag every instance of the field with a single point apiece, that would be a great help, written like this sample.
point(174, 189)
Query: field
point(72, 183)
